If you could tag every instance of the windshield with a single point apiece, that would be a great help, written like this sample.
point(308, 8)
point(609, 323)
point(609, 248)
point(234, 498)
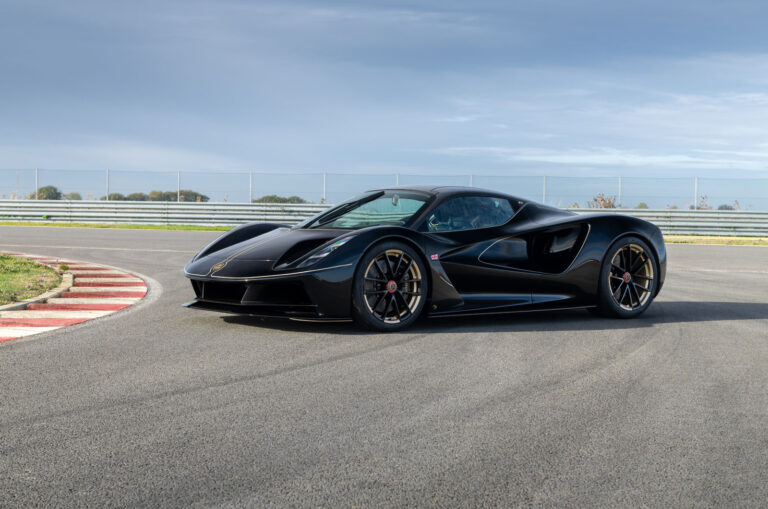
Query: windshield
point(372, 209)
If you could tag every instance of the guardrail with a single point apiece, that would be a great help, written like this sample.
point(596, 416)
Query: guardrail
point(154, 212)
point(701, 222)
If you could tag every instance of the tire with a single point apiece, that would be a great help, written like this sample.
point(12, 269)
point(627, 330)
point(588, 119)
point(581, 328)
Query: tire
point(628, 279)
point(390, 287)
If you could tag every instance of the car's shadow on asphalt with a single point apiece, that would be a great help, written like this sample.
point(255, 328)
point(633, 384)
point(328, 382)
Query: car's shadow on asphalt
point(566, 320)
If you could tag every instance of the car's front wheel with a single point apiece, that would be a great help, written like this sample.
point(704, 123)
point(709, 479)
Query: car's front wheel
point(390, 287)
point(628, 279)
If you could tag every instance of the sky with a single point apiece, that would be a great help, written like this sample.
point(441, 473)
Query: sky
point(555, 87)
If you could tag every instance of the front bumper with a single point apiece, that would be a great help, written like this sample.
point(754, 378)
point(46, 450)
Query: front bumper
point(318, 295)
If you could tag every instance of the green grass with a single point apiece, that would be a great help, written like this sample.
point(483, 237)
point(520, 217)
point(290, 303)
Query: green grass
point(123, 226)
point(716, 240)
point(23, 279)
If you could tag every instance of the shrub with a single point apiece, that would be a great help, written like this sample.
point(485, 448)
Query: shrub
point(183, 195)
point(114, 197)
point(73, 196)
point(273, 198)
point(45, 193)
point(602, 201)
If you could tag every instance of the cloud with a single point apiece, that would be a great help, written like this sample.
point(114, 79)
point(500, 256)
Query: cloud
point(708, 160)
point(114, 154)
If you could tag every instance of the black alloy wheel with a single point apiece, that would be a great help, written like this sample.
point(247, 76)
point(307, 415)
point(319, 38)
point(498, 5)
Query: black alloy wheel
point(390, 287)
point(628, 279)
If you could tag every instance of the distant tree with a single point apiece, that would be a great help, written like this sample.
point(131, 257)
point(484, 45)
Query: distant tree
point(45, 193)
point(673, 207)
point(114, 197)
point(602, 201)
point(188, 195)
point(273, 198)
point(642, 205)
point(137, 197)
point(703, 205)
point(73, 196)
point(183, 195)
point(725, 206)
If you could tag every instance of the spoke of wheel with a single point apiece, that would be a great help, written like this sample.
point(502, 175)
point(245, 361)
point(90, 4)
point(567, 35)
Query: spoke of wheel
point(628, 257)
point(374, 292)
point(637, 286)
point(637, 266)
point(625, 293)
point(403, 302)
point(407, 268)
point(613, 276)
point(617, 267)
point(397, 307)
point(397, 267)
point(637, 297)
point(617, 294)
point(376, 264)
point(389, 266)
point(375, 279)
point(378, 301)
point(642, 277)
point(386, 306)
point(408, 292)
point(418, 280)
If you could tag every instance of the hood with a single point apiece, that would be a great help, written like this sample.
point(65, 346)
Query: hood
point(263, 254)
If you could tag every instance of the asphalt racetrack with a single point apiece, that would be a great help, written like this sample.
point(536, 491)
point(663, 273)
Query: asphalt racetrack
point(164, 406)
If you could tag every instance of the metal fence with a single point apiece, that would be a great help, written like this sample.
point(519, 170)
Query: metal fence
point(245, 186)
point(702, 222)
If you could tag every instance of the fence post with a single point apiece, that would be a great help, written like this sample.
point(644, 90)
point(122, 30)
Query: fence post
point(470, 180)
point(107, 197)
point(178, 187)
point(37, 185)
point(544, 189)
point(695, 193)
point(619, 200)
point(324, 175)
point(250, 187)
point(397, 179)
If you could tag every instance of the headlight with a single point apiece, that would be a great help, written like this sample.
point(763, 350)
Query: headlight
point(330, 248)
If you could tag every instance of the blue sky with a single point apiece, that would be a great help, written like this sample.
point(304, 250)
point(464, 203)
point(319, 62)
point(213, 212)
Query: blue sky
point(552, 87)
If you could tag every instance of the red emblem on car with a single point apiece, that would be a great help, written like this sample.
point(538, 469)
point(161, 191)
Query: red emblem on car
point(627, 277)
point(391, 286)
point(433, 257)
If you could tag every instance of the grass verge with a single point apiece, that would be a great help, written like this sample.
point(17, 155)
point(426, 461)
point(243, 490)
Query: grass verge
point(23, 279)
point(714, 240)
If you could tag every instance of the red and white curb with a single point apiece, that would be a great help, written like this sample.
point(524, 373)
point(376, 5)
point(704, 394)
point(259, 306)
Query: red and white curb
point(88, 291)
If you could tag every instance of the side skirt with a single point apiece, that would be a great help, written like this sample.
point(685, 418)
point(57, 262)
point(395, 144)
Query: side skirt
point(507, 312)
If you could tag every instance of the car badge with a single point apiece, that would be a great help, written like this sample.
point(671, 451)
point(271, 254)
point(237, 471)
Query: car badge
point(218, 266)
point(433, 257)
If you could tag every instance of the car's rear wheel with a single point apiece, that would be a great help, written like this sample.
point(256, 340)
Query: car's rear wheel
point(628, 278)
point(390, 287)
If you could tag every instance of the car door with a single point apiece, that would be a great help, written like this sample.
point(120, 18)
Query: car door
point(479, 254)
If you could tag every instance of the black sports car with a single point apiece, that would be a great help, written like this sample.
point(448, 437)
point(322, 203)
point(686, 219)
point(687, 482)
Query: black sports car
point(386, 256)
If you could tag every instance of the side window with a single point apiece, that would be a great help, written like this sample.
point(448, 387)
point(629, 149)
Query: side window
point(469, 213)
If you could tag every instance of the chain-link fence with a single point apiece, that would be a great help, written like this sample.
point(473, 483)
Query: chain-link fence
point(246, 186)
